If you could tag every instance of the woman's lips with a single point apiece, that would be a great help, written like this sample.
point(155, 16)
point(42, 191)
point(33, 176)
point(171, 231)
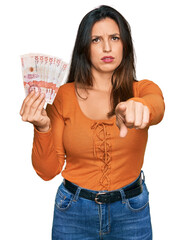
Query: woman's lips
point(107, 59)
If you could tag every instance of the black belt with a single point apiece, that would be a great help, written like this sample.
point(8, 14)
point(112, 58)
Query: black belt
point(107, 197)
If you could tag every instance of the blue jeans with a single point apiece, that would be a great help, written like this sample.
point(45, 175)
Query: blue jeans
point(80, 218)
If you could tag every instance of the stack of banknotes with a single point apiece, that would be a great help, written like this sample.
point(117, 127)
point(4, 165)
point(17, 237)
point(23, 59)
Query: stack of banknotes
point(43, 73)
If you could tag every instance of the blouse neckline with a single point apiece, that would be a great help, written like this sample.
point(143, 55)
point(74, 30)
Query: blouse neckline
point(110, 120)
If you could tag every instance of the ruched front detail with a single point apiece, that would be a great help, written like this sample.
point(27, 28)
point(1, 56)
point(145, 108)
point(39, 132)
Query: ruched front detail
point(102, 150)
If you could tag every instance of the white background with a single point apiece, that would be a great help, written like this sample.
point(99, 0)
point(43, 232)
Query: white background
point(26, 202)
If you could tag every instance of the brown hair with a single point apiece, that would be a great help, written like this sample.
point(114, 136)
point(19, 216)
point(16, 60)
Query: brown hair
point(80, 69)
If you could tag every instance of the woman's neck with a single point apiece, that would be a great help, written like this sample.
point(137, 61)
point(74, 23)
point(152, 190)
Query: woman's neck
point(102, 81)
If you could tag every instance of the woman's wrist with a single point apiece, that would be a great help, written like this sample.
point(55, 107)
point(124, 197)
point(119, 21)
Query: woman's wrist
point(43, 128)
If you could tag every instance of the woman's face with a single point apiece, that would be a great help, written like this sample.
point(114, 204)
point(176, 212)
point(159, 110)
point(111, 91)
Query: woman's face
point(106, 50)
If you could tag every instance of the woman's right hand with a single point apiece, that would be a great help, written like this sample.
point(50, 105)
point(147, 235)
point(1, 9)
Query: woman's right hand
point(33, 111)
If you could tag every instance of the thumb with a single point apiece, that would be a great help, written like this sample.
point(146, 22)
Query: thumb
point(121, 109)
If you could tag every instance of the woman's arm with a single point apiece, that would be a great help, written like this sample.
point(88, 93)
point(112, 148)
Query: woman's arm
point(145, 109)
point(48, 153)
point(151, 96)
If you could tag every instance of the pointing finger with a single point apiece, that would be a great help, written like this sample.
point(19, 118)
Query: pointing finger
point(123, 130)
point(121, 125)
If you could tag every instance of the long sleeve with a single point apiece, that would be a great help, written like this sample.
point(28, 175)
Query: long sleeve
point(148, 93)
point(48, 153)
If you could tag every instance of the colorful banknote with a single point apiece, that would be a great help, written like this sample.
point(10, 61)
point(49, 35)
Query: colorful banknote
point(43, 73)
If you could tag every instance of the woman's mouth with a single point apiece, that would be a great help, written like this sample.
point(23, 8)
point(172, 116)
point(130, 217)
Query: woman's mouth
point(107, 59)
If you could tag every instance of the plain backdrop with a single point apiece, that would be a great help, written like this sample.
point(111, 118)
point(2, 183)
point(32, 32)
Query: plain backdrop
point(45, 26)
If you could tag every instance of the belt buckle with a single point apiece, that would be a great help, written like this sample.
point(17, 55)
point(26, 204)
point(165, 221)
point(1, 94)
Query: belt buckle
point(96, 198)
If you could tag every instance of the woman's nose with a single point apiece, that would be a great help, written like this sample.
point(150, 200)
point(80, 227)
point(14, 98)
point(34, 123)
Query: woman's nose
point(107, 46)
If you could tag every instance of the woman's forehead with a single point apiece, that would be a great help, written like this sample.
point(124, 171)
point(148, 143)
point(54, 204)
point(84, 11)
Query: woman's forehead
point(105, 26)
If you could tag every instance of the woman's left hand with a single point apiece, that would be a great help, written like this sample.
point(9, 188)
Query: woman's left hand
point(131, 114)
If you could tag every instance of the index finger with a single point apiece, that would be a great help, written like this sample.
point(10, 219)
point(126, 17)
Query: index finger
point(26, 100)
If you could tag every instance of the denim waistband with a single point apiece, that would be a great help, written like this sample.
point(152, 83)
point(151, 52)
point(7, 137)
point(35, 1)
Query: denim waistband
point(130, 190)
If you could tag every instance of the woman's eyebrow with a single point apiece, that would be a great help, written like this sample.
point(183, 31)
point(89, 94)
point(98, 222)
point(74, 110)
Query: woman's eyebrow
point(114, 34)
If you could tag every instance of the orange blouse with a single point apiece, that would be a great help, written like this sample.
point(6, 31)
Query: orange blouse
point(96, 157)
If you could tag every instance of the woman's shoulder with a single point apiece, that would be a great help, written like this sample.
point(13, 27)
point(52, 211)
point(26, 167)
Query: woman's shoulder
point(146, 86)
point(143, 82)
point(66, 89)
point(65, 97)
point(67, 86)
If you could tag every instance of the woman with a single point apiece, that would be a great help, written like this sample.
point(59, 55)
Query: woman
point(98, 124)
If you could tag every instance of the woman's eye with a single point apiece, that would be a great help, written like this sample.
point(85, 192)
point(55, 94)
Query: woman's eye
point(95, 40)
point(115, 38)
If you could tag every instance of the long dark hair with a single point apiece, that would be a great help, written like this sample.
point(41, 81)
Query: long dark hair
point(124, 74)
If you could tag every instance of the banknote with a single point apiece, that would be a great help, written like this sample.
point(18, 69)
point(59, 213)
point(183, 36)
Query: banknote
point(43, 73)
